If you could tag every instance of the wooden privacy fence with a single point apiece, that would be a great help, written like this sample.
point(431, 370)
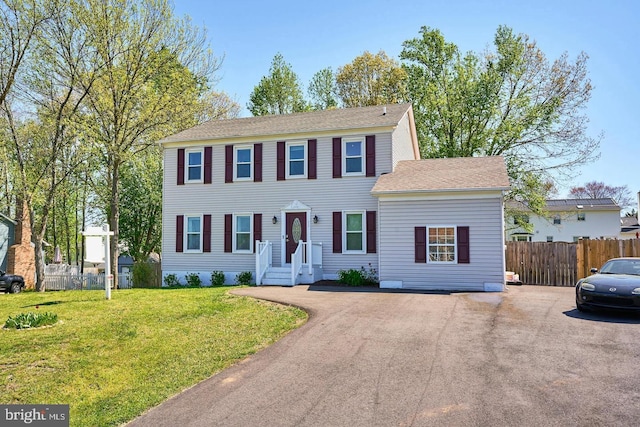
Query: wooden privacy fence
point(563, 264)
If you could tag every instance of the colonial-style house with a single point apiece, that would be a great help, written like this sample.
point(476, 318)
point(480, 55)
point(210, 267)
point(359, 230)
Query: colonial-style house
point(567, 220)
point(296, 198)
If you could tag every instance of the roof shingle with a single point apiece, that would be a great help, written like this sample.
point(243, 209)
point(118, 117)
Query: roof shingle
point(315, 121)
point(454, 174)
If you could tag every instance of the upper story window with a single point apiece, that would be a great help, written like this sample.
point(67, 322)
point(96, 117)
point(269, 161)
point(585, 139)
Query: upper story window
point(194, 166)
point(354, 232)
point(557, 220)
point(441, 244)
point(194, 233)
point(353, 159)
point(521, 219)
point(581, 216)
point(242, 230)
point(243, 163)
point(296, 160)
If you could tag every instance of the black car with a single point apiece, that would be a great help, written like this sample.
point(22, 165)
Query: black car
point(615, 287)
point(11, 282)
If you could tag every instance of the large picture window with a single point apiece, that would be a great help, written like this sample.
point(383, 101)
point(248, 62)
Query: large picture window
point(243, 163)
point(354, 232)
point(353, 159)
point(194, 233)
point(242, 233)
point(441, 244)
point(194, 166)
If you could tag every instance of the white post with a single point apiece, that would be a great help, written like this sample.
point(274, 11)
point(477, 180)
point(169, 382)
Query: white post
point(108, 277)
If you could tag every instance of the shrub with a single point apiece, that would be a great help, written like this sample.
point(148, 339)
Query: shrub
point(217, 278)
point(144, 275)
point(245, 278)
point(171, 280)
point(193, 280)
point(30, 320)
point(362, 277)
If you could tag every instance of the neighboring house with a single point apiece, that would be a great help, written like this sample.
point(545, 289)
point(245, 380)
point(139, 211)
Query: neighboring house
point(7, 239)
point(629, 227)
point(568, 220)
point(289, 198)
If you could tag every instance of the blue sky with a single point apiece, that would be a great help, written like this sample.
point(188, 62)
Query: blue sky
point(315, 35)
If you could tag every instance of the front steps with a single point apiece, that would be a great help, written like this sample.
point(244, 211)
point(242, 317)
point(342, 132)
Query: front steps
point(281, 276)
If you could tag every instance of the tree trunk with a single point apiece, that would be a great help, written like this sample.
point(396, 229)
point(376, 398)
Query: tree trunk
point(37, 237)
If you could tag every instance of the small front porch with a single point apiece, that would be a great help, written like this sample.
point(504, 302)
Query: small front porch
point(305, 266)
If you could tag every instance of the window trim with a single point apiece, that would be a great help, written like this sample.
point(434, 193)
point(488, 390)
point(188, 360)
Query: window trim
point(186, 234)
point(305, 159)
point(236, 148)
point(581, 216)
point(363, 231)
point(454, 244)
point(188, 166)
point(234, 234)
point(345, 141)
point(557, 220)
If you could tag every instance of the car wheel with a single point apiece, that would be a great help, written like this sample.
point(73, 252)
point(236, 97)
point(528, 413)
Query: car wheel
point(582, 308)
point(15, 288)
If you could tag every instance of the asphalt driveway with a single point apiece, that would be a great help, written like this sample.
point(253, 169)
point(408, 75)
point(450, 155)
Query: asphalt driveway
point(374, 358)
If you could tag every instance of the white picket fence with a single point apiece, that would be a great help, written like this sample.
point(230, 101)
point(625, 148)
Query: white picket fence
point(68, 282)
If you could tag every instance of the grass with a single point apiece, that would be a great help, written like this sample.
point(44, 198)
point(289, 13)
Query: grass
point(112, 360)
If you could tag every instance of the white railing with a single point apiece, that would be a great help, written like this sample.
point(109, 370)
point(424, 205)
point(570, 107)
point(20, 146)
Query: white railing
point(296, 262)
point(264, 259)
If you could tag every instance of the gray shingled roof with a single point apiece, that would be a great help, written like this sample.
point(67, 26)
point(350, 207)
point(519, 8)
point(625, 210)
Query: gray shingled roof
point(315, 121)
point(605, 202)
point(455, 174)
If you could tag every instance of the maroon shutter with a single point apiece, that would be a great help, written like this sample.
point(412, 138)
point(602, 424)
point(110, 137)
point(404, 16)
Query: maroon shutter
point(337, 157)
point(463, 245)
point(228, 233)
point(281, 160)
point(337, 232)
point(228, 163)
point(206, 233)
point(257, 229)
point(421, 244)
point(180, 166)
point(207, 165)
point(179, 232)
point(312, 148)
point(371, 155)
point(371, 232)
point(257, 162)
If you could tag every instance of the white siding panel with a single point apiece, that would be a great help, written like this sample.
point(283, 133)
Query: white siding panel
point(402, 144)
point(323, 195)
point(398, 220)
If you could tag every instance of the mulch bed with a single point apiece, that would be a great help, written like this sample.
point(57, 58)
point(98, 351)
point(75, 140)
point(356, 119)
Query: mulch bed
point(338, 284)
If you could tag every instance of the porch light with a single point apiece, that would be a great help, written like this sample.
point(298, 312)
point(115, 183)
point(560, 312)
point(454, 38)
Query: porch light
point(315, 219)
point(274, 219)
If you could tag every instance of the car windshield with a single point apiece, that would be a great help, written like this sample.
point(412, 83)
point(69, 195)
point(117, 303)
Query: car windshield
point(621, 266)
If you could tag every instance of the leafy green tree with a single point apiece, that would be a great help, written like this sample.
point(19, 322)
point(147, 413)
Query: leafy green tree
point(322, 89)
point(155, 71)
point(511, 102)
point(278, 93)
point(371, 80)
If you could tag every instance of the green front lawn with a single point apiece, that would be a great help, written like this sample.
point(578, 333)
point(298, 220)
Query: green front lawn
point(112, 360)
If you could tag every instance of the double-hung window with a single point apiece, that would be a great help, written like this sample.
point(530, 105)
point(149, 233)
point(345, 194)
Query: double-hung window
point(441, 244)
point(194, 166)
point(242, 232)
point(243, 169)
point(193, 233)
point(353, 159)
point(354, 232)
point(296, 160)
point(581, 216)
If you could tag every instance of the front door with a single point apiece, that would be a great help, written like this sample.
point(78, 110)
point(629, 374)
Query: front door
point(296, 230)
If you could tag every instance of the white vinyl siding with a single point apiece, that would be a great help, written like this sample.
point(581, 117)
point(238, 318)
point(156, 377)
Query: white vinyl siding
point(396, 233)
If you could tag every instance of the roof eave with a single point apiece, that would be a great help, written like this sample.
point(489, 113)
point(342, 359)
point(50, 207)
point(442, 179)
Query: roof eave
point(439, 190)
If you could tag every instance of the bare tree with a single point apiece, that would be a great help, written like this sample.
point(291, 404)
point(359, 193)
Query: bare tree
point(599, 190)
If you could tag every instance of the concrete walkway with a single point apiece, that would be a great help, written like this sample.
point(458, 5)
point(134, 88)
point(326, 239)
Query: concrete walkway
point(375, 358)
